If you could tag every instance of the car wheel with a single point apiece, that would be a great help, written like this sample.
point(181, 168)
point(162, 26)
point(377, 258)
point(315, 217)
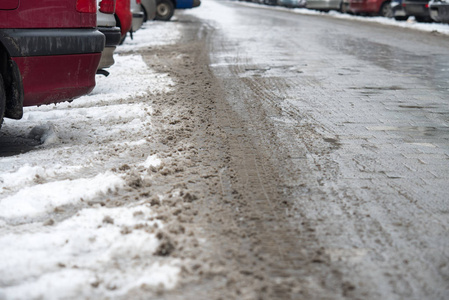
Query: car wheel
point(401, 18)
point(385, 10)
point(2, 100)
point(423, 19)
point(164, 10)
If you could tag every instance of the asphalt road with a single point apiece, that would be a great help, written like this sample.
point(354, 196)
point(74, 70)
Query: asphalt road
point(337, 131)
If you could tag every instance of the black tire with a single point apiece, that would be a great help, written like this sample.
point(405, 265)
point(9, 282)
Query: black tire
point(401, 18)
point(385, 10)
point(164, 10)
point(423, 19)
point(2, 100)
point(145, 16)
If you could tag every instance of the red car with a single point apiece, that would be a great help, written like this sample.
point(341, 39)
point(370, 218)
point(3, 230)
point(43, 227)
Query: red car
point(123, 16)
point(49, 52)
point(371, 7)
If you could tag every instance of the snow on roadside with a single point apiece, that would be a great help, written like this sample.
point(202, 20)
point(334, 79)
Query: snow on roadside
point(91, 250)
point(410, 23)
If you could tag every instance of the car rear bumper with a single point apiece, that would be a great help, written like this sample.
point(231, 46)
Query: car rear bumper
point(107, 57)
point(439, 12)
point(364, 6)
point(42, 42)
point(137, 21)
point(52, 79)
point(112, 35)
point(417, 9)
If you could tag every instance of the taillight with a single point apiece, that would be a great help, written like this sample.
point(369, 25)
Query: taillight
point(86, 6)
point(427, 5)
point(107, 6)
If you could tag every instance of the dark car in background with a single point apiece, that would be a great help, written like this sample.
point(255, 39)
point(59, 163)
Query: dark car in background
point(403, 9)
point(49, 52)
point(439, 10)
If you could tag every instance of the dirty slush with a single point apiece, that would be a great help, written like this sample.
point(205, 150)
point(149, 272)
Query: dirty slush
point(226, 209)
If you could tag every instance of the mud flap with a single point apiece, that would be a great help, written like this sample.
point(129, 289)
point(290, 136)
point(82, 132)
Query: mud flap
point(14, 92)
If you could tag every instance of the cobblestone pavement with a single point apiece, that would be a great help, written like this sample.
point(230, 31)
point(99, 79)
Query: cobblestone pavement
point(351, 122)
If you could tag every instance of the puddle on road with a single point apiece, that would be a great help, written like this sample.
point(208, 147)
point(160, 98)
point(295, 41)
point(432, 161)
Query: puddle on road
point(432, 68)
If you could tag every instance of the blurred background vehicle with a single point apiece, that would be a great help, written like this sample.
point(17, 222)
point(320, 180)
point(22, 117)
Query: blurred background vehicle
point(166, 8)
point(439, 10)
point(292, 3)
point(123, 17)
point(106, 25)
point(371, 7)
point(403, 9)
point(49, 52)
point(138, 15)
point(149, 10)
point(324, 5)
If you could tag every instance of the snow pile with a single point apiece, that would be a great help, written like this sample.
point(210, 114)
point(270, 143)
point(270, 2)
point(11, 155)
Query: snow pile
point(90, 253)
point(59, 237)
point(410, 23)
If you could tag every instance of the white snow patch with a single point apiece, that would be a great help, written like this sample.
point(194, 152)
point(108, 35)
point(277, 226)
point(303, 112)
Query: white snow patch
point(152, 161)
point(70, 259)
point(87, 255)
point(37, 199)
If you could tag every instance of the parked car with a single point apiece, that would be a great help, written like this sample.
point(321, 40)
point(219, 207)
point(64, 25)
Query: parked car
point(149, 10)
point(403, 9)
point(106, 25)
point(292, 3)
point(324, 5)
point(166, 8)
point(137, 12)
point(49, 52)
point(371, 7)
point(439, 10)
point(123, 17)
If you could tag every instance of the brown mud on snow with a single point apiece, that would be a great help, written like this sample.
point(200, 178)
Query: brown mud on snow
point(228, 217)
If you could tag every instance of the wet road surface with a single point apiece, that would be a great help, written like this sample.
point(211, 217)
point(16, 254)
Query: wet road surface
point(338, 138)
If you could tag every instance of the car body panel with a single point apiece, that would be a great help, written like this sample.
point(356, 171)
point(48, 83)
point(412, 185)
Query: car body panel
point(123, 16)
point(406, 8)
point(365, 6)
point(9, 4)
point(49, 52)
point(439, 11)
point(149, 7)
point(106, 25)
point(138, 16)
point(292, 3)
point(61, 15)
point(324, 4)
point(52, 79)
point(182, 4)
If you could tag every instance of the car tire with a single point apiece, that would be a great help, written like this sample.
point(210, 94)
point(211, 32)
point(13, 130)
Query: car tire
point(2, 100)
point(385, 10)
point(423, 19)
point(401, 18)
point(164, 10)
point(145, 16)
